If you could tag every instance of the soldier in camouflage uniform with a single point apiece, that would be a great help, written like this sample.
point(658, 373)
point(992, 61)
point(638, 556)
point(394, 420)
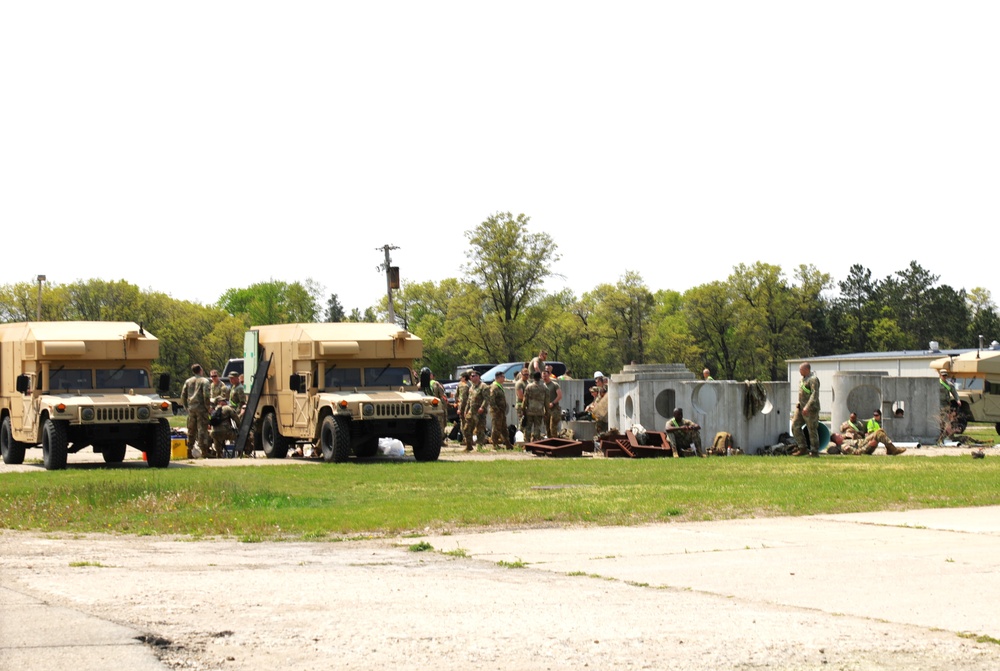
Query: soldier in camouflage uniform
point(853, 433)
point(475, 412)
point(498, 413)
point(217, 388)
point(536, 397)
point(194, 397)
point(807, 412)
point(226, 422)
point(237, 394)
point(553, 410)
point(522, 382)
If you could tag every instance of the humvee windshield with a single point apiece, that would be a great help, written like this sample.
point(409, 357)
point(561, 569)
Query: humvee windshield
point(387, 377)
point(71, 378)
point(343, 377)
point(339, 378)
point(122, 378)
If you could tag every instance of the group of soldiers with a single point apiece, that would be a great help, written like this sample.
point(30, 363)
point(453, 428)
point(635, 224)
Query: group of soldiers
point(214, 411)
point(538, 398)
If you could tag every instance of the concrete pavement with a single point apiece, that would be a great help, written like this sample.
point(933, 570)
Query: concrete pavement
point(937, 569)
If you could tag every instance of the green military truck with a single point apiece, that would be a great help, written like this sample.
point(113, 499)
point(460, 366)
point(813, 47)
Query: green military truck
point(341, 387)
point(66, 386)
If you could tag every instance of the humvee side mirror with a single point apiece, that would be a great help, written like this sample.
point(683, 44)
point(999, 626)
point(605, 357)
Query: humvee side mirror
point(297, 383)
point(23, 384)
point(164, 385)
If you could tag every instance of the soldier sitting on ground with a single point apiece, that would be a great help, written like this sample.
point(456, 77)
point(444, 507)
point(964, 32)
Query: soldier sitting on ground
point(682, 434)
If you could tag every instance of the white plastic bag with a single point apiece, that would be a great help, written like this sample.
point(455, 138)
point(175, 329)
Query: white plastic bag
point(391, 447)
point(519, 436)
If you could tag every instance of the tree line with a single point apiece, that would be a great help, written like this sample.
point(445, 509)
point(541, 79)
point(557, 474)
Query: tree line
point(742, 327)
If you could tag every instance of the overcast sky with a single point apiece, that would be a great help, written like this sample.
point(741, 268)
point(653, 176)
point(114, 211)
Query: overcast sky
point(190, 147)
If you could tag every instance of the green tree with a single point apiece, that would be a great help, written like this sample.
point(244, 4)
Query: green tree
point(984, 320)
point(623, 315)
point(770, 318)
point(334, 310)
point(859, 308)
point(713, 321)
point(508, 269)
point(273, 302)
point(671, 341)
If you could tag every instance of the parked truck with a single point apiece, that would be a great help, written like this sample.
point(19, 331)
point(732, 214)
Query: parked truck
point(66, 386)
point(341, 387)
point(978, 372)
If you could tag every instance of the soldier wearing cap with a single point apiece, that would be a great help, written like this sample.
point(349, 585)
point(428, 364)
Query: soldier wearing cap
point(498, 413)
point(237, 394)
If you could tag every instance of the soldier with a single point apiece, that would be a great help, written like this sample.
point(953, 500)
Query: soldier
point(707, 375)
point(807, 412)
point(875, 434)
point(598, 407)
point(951, 405)
point(553, 411)
point(537, 364)
point(682, 433)
point(522, 381)
point(224, 421)
point(853, 434)
point(475, 412)
point(535, 399)
point(237, 394)
point(194, 397)
point(432, 387)
point(217, 388)
point(498, 413)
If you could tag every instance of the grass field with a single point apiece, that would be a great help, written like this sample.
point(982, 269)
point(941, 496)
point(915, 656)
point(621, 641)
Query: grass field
point(333, 502)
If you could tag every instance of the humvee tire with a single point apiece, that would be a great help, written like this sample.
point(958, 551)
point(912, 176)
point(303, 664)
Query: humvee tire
point(427, 444)
point(335, 439)
point(54, 445)
point(158, 444)
point(13, 451)
point(367, 448)
point(275, 445)
point(113, 453)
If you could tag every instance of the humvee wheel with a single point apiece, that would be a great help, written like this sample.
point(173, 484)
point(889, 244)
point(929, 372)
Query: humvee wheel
point(274, 444)
point(158, 445)
point(427, 444)
point(113, 453)
point(367, 449)
point(335, 439)
point(54, 445)
point(13, 451)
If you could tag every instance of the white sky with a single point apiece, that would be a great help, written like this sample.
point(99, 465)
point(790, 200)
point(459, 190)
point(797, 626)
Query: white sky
point(154, 142)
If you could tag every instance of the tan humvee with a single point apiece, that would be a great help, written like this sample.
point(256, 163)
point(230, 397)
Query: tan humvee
point(979, 373)
point(65, 386)
point(341, 387)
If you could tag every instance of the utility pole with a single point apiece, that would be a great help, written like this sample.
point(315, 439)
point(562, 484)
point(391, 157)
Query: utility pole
point(38, 313)
point(391, 278)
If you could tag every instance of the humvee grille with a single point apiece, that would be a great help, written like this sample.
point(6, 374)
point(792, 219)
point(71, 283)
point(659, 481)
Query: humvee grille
point(393, 409)
point(115, 413)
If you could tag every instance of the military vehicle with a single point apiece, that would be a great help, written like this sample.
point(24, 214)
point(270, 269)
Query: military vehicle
point(65, 386)
point(339, 386)
point(979, 375)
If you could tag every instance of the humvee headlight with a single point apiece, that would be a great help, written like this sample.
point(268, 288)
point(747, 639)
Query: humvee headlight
point(418, 409)
point(87, 414)
point(61, 407)
point(142, 413)
point(368, 409)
